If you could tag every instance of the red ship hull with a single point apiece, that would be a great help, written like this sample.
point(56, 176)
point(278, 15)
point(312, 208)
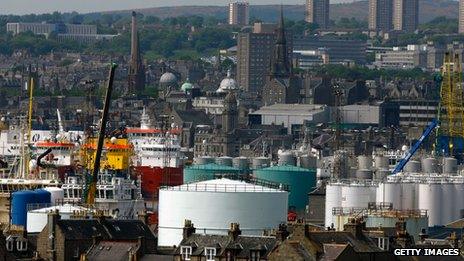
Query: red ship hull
point(154, 177)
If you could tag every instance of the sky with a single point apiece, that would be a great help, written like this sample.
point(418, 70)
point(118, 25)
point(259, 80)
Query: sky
point(21, 7)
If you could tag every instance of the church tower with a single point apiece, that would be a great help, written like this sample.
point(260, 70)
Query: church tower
point(280, 67)
point(136, 75)
point(230, 113)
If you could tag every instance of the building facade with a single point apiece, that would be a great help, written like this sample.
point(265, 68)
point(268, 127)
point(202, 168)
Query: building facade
point(461, 16)
point(410, 57)
point(317, 12)
point(239, 13)
point(381, 15)
point(405, 15)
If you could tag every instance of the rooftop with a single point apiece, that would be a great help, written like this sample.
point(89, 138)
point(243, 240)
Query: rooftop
point(293, 109)
point(222, 185)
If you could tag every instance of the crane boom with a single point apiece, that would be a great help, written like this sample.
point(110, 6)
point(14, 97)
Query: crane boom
point(415, 147)
point(90, 195)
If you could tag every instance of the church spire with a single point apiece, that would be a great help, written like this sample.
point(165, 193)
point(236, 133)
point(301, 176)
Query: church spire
point(280, 66)
point(136, 77)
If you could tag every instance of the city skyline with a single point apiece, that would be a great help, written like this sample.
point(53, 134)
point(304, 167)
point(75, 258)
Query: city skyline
point(21, 7)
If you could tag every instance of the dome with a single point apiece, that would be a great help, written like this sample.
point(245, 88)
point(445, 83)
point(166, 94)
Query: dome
point(227, 84)
point(168, 78)
point(187, 86)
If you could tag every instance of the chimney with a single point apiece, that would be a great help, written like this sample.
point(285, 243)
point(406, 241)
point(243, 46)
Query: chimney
point(188, 229)
point(234, 231)
point(355, 227)
point(282, 233)
point(53, 218)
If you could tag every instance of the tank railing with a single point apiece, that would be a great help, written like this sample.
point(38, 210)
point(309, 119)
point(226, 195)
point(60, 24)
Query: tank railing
point(365, 212)
point(255, 181)
point(221, 188)
point(34, 206)
point(355, 181)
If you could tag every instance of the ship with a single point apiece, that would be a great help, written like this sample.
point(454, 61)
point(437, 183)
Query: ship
point(158, 157)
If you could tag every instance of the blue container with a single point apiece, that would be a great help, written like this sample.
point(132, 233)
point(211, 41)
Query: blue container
point(301, 181)
point(19, 202)
point(43, 196)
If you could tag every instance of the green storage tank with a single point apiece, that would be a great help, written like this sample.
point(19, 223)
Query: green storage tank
point(207, 172)
point(300, 181)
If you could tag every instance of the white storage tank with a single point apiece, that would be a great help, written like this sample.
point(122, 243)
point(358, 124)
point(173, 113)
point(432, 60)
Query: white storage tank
point(381, 174)
point(224, 161)
point(430, 165)
point(364, 174)
point(286, 158)
point(381, 162)
point(408, 196)
point(430, 199)
point(39, 216)
point(389, 192)
point(212, 205)
point(357, 195)
point(56, 194)
point(261, 162)
point(448, 202)
point(450, 165)
point(412, 166)
point(241, 163)
point(459, 197)
point(333, 199)
point(204, 160)
point(364, 162)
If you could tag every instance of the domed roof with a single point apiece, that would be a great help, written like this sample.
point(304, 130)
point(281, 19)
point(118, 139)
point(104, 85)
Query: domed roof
point(168, 78)
point(187, 86)
point(227, 84)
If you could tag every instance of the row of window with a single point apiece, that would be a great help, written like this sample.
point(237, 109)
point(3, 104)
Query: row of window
point(210, 253)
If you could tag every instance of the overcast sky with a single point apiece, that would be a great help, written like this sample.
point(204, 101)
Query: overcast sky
point(85, 6)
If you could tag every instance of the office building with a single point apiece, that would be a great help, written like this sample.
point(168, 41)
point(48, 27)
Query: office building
point(405, 15)
point(317, 12)
point(254, 53)
point(413, 56)
point(381, 15)
point(239, 13)
point(461, 16)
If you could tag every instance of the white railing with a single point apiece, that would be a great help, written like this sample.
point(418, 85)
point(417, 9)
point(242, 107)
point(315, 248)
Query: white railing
point(221, 188)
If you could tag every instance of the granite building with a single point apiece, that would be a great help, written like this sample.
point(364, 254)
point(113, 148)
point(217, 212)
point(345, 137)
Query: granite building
point(381, 15)
point(239, 13)
point(406, 15)
point(317, 12)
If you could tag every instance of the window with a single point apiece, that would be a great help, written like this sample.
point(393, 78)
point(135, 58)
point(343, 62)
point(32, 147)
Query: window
point(254, 255)
point(383, 243)
point(210, 253)
point(186, 252)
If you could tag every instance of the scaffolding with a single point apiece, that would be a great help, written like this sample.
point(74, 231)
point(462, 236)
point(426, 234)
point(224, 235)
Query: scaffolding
point(451, 106)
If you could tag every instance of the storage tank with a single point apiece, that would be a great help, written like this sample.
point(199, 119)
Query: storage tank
point(39, 216)
point(448, 202)
point(241, 163)
point(226, 161)
point(208, 171)
point(408, 196)
point(450, 165)
point(430, 165)
point(364, 174)
point(56, 194)
point(364, 162)
point(260, 162)
point(301, 181)
point(412, 166)
point(389, 192)
point(381, 162)
point(430, 196)
point(333, 199)
point(19, 202)
point(43, 196)
point(286, 158)
point(212, 205)
point(381, 174)
point(357, 195)
point(204, 160)
point(459, 197)
point(308, 162)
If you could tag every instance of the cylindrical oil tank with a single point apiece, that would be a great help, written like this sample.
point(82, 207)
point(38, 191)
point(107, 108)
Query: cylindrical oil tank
point(308, 162)
point(204, 160)
point(241, 163)
point(56, 194)
point(413, 166)
point(225, 161)
point(380, 174)
point(300, 181)
point(459, 199)
point(430, 195)
point(364, 174)
point(206, 172)
point(261, 162)
point(407, 195)
point(430, 165)
point(381, 162)
point(333, 199)
point(287, 158)
point(43, 196)
point(214, 204)
point(448, 202)
point(450, 165)
point(364, 162)
point(357, 195)
point(389, 192)
point(19, 202)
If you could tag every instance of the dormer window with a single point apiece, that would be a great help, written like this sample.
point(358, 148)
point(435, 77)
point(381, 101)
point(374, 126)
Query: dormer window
point(21, 244)
point(186, 252)
point(254, 255)
point(210, 253)
point(383, 243)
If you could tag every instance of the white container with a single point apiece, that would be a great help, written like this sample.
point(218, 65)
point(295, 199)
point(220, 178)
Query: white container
point(333, 199)
point(430, 199)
